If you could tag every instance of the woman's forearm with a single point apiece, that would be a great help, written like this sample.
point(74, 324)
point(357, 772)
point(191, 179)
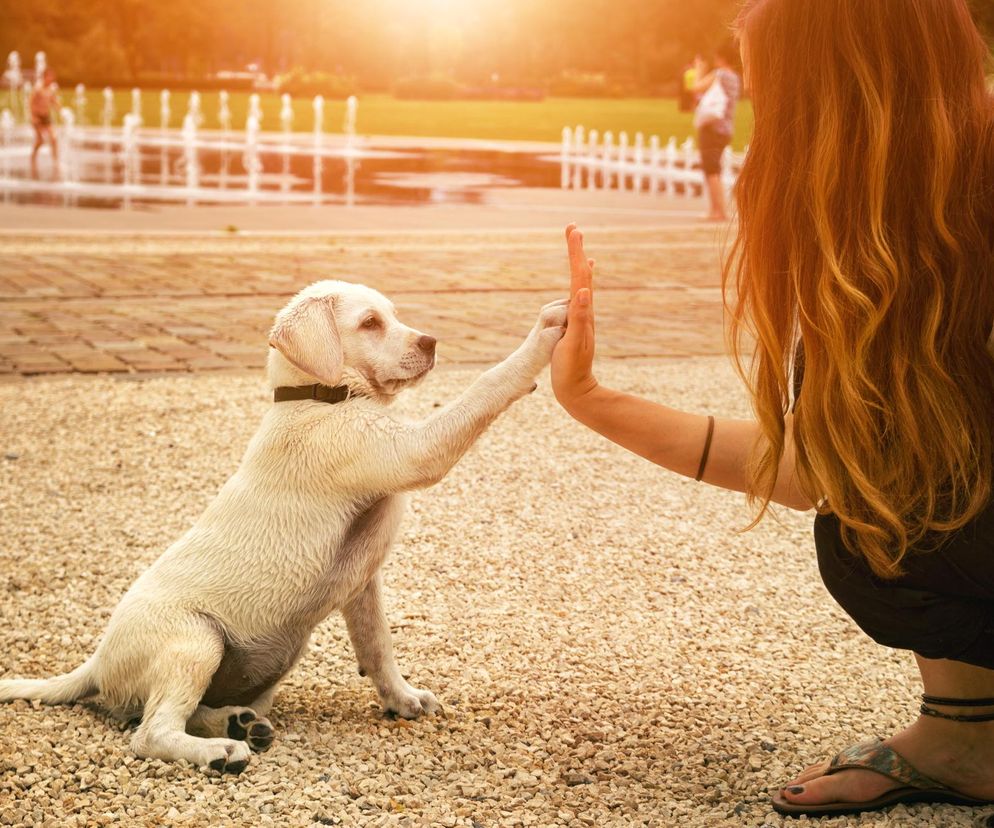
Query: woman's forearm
point(704, 83)
point(668, 437)
point(675, 440)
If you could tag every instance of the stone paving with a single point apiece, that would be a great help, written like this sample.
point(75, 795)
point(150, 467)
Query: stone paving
point(136, 304)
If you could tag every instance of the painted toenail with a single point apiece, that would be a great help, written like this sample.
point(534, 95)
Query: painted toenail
point(795, 789)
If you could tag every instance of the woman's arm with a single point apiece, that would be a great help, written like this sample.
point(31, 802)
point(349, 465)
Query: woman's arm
point(668, 437)
point(705, 83)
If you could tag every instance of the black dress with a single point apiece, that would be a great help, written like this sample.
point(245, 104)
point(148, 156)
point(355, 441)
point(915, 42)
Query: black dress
point(941, 608)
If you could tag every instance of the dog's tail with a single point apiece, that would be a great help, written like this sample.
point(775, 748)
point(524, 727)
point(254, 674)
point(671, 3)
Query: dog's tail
point(78, 684)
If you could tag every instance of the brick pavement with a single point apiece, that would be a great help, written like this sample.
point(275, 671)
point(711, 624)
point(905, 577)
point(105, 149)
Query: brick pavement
point(112, 303)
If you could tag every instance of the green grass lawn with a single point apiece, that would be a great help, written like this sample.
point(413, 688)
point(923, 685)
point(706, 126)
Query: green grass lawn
point(497, 120)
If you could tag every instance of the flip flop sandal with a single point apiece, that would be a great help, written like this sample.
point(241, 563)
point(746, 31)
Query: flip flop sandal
point(876, 756)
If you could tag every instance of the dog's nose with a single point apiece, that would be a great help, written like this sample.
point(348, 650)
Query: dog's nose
point(427, 344)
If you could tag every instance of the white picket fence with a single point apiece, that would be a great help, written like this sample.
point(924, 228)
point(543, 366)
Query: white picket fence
point(590, 160)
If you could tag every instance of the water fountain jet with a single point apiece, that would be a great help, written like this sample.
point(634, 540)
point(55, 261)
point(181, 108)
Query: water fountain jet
point(286, 120)
point(319, 144)
point(107, 116)
point(6, 141)
point(190, 160)
point(224, 119)
point(79, 101)
point(224, 112)
point(67, 146)
point(251, 161)
point(14, 78)
point(165, 112)
point(351, 106)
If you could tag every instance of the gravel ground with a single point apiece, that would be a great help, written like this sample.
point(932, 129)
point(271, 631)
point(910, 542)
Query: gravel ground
point(610, 650)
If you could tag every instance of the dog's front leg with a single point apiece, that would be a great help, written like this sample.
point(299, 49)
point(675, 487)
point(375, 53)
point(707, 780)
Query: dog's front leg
point(426, 451)
point(370, 634)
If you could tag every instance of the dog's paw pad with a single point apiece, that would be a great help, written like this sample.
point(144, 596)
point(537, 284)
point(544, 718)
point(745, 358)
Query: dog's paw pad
point(260, 736)
point(223, 765)
point(235, 728)
point(235, 758)
point(245, 726)
point(236, 767)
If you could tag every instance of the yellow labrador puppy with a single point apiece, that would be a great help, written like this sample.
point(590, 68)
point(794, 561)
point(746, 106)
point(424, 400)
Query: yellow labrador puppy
point(195, 648)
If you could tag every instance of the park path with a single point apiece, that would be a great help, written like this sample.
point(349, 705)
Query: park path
point(128, 303)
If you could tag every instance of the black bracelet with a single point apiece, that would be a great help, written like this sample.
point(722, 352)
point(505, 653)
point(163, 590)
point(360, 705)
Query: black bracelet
point(707, 450)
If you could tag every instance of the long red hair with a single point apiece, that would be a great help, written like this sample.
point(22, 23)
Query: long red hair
point(866, 209)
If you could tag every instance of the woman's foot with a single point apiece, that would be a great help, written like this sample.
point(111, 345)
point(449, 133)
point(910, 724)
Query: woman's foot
point(957, 754)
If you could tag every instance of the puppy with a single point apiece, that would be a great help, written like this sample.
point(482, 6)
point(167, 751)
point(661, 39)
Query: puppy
point(195, 648)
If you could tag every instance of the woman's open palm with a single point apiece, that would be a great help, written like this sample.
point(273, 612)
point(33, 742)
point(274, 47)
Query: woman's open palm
point(572, 361)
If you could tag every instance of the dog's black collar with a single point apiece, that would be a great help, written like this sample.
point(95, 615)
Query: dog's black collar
point(318, 392)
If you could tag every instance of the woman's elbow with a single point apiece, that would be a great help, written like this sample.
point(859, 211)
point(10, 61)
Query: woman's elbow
point(796, 501)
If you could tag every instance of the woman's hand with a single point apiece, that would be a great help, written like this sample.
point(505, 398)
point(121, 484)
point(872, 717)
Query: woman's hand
point(572, 360)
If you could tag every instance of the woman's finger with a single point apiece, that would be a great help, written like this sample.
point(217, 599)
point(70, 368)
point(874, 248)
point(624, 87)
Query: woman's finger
point(581, 326)
point(581, 275)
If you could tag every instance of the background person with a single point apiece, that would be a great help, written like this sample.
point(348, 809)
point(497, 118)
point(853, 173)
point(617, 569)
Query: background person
point(715, 128)
point(44, 98)
point(880, 265)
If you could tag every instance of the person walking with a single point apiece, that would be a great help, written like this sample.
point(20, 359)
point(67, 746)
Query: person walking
point(860, 291)
point(44, 98)
point(714, 119)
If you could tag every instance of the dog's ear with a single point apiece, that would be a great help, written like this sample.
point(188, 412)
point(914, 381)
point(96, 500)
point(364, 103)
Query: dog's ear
point(307, 336)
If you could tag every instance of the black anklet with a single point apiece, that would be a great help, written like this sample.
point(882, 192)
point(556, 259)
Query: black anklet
point(957, 702)
point(976, 717)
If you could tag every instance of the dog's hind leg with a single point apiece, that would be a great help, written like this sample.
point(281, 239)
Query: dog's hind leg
point(264, 703)
point(183, 671)
point(245, 724)
point(370, 634)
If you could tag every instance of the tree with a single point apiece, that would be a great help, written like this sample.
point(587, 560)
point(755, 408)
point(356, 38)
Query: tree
point(642, 43)
point(983, 13)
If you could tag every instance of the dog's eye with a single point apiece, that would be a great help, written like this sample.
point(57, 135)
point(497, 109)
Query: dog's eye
point(370, 323)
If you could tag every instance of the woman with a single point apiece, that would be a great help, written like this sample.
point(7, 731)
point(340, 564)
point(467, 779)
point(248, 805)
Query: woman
point(866, 238)
point(715, 129)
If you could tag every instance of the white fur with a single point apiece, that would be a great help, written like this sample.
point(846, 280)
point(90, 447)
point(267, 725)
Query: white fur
point(200, 641)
